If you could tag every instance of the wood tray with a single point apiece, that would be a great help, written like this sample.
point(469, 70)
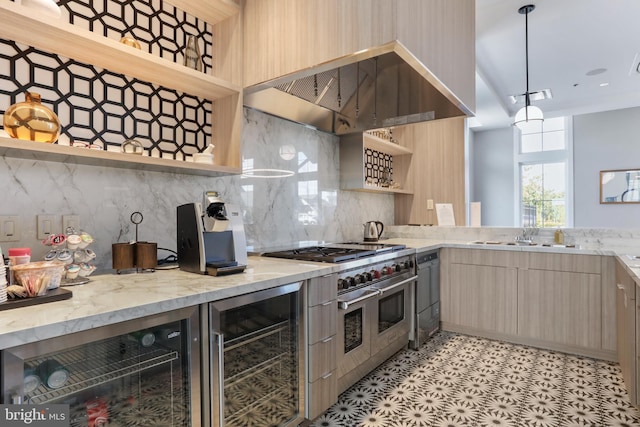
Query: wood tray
point(58, 294)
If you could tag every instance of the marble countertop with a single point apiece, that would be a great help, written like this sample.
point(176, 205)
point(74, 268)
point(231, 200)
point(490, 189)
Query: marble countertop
point(632, 265)
point(112, 298)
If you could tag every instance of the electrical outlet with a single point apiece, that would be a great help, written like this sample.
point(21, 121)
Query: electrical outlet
point(46, 226)
point(70, 221)
point(10, 228)
point(429, 204)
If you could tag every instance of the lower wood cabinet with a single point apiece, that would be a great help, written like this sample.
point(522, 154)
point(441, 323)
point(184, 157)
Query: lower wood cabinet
point(627, 330)
point(485, 297)
point(563, 302)
point(560, 307)
point(322, 315)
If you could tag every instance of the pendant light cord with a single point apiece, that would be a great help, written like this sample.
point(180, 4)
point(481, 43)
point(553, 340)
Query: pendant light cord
point(526, 49)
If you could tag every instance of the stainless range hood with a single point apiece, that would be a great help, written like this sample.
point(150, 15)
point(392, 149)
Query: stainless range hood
point(380, 87)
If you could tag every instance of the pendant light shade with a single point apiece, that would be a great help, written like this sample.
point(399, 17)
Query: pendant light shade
point(528, 116)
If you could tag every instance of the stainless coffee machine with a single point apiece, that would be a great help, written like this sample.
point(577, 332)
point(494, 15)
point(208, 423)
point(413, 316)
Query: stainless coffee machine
point(211, 237)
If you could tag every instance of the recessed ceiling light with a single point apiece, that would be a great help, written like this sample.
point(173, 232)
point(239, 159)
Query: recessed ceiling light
point(596, 71)
point(604, 84)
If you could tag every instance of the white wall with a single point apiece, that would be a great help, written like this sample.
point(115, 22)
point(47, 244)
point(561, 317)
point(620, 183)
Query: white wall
point(601, 141)
point(492, 176)
point(604, 141)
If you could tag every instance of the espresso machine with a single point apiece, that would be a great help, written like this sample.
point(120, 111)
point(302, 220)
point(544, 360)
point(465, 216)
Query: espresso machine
point(211, 237)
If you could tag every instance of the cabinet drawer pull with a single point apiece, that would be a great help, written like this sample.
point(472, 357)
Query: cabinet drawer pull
point(324, 304)
point(326, 340)
point(325, 376)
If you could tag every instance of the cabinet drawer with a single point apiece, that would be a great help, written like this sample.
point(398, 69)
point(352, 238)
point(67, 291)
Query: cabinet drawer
point(322, 358)
point(322, 289)
point(322, 394)
point(565, 262)
point(322, 321)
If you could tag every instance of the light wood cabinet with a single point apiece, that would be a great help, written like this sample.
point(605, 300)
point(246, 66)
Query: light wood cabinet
point(322, 315)
point(354, 158)
point(563, 302)
point(626, 315)
point(560, 307)
point(223, 86)
point(436, 172)
point(484, 297)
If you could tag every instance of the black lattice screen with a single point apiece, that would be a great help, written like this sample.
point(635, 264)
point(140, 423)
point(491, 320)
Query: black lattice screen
point(376, 164)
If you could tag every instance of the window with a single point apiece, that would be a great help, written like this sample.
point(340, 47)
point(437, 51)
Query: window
point(544, 174)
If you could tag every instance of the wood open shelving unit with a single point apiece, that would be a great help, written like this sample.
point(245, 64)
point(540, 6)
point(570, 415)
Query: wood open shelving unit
point(223, 88)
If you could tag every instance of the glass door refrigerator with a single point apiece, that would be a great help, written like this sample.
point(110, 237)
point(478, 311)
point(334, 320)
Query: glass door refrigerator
point(256, 359)
point(144, 372)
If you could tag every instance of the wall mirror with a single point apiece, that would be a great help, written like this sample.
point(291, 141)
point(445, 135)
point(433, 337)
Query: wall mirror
point(620, 186)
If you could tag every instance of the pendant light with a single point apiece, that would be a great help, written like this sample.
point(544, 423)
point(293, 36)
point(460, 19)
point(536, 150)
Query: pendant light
point(527, 115)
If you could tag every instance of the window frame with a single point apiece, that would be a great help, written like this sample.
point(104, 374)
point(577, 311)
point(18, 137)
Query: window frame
point(553, 156)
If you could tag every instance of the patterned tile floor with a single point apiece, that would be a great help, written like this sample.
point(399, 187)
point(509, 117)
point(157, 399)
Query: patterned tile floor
point(458, 380)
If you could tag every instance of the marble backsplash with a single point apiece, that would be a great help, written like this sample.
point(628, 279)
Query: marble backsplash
point(307, 206)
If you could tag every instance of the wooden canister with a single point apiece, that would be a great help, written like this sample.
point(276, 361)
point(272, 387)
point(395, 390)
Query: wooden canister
point(146, 255)
point(123, 256)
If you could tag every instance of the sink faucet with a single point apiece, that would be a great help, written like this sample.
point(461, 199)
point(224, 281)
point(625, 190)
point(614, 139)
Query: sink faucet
point(527, 235)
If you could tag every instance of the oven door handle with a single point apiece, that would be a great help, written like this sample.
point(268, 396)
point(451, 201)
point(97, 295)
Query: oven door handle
point(395, 285)
point(344, 304)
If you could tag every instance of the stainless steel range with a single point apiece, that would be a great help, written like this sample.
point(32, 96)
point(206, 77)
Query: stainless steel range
point(375, 299)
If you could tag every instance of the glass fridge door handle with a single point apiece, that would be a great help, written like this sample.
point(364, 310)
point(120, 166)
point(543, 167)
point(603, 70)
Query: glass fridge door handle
point(219, 340)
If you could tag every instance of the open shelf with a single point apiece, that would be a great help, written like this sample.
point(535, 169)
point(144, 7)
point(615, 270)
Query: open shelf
point(382, 145)
point(61, 153)
point(22, 25)
point(353, 172)
point(376, 189)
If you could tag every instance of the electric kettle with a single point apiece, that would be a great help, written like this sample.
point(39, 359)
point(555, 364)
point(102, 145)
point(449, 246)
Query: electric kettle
point(373, 230)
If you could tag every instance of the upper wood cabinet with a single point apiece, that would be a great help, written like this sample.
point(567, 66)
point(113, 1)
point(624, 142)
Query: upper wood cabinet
point(223, 86)
point(436, 172)
point(286, 36)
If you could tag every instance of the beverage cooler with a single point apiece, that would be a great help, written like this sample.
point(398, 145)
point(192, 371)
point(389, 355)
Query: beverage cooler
point(256, 353)
point(142, 372)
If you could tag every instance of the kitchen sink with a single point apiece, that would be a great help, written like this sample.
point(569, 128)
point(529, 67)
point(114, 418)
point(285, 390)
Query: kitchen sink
point(519, 243)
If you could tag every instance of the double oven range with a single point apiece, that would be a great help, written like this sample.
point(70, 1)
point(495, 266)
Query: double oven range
point(375, 295)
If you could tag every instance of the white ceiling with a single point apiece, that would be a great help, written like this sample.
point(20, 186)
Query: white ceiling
point(567, 39)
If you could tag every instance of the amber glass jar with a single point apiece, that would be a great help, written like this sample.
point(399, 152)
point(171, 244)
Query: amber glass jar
point(31, 120)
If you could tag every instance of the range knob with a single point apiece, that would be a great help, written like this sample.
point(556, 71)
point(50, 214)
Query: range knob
point(360, 278)
point(398, 267)
point(369, 275)
point(407, 265)
point(376, 274)
point(351, 281)
point(343, 284)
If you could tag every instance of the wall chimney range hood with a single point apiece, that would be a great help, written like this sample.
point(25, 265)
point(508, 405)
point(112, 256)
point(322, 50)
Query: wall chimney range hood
point(379, 87)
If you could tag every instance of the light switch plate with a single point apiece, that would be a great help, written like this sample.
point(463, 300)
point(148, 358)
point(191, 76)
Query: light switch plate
point(10, 228)
point(72, 221)
point(430, 204)
point(46, 226)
